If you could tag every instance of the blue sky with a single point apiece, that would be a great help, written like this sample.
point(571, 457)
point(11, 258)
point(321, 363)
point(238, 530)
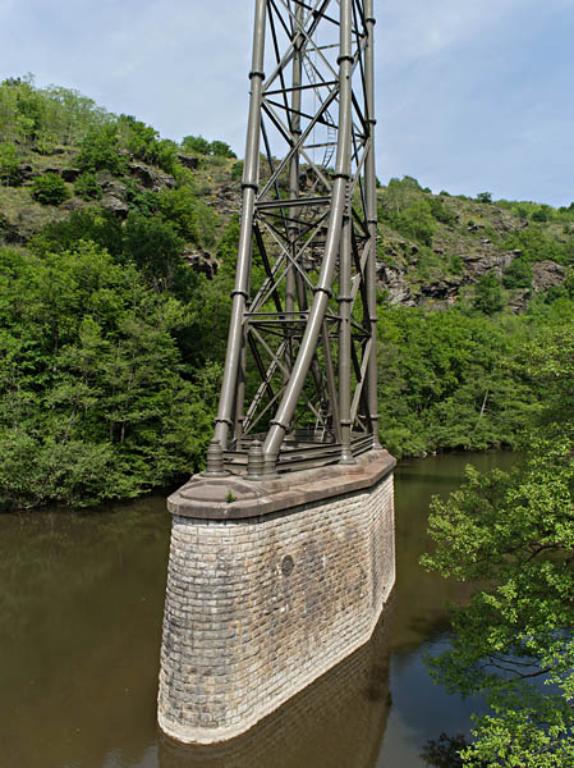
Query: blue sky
point(473, 95)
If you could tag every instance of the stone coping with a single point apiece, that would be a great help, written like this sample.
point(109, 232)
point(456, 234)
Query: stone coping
point(235, 498)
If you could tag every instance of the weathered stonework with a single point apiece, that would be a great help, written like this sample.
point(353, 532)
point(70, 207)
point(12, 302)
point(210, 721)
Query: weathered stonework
point(336, 722)
point(269, 586)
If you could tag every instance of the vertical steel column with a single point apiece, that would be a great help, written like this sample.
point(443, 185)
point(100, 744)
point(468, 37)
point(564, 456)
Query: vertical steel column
point(371, 185)
point(345, 300)
point(294, 165)
point(282, 421)
point(240, 293)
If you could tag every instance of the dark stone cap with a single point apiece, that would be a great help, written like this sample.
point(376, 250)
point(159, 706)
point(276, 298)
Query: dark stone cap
point(236, 498)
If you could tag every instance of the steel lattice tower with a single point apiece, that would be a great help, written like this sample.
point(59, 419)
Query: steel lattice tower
point(299, 387)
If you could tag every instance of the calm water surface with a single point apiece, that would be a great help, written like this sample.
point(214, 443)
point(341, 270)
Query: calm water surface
point(81, 600)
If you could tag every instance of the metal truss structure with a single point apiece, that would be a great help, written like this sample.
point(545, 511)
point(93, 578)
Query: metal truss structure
point(300, 379)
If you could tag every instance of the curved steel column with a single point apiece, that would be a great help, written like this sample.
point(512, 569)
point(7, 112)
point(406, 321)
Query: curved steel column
point(281, 422)
point(250, 184)
point(371, 184)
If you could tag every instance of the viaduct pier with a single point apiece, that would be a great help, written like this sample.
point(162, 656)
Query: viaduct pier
point(282, 551)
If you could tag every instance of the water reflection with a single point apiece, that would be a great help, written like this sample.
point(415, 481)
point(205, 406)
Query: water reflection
point(81, 601)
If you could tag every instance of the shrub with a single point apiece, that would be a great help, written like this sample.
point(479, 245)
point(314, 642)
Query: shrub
point(9, 163)
point(155, 247)
point(89, 224)
point(193, 219)
point(237, 171)
point(100, 151)
point(543, 214)
point(87, 187)
point(221, 149)
point(49, 189)
point(143, 142)
point(200, 146)
point(417, 222)
point(484, 197)
point(488, 296)
point(196, 144)
point(518, 274)
point(443, 213)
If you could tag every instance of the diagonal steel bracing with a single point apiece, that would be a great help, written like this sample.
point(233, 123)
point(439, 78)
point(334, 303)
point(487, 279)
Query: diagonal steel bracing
point(299, 386)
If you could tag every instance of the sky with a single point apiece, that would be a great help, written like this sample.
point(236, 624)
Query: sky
point(472, 95)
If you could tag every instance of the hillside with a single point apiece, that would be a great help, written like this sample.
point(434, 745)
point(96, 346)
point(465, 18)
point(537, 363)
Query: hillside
point(432, 248)
point(117, 253)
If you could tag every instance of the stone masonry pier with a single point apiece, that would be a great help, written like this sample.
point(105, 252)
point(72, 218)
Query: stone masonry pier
point(271, 583)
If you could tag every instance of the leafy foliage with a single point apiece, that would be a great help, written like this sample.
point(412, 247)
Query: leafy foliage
point(484, 197)
point(91, 225)
point(50, 189)
point(537, 244)
point(406, 208)
point(200, 146)
point(514, 533)
point(449, 380)
point(45, 117)
point(518, 275)
point(95, 401)
point(100, 151)
point(87, 187)
point(9, 163)
point(193, 219)
point(488, 296)
point(143, 142)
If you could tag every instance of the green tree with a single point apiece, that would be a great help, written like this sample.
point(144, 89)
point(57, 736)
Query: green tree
point(143, 142)
point(50, 189)
point(87, 187)
point(518, 275)
point(91, 225)
point(95, 400)
point(542, 214)
point(196, 144)
point(155, 248)
point(488, 295)
point(221, 149)
point(513, 533)
point(100, 151)
point(194, 220)
point(484, 197)
point(237, 171)
point(406, 208)
point(450, 380)
point(9, 163)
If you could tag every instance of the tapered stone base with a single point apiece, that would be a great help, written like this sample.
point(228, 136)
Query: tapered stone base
point(271, 583)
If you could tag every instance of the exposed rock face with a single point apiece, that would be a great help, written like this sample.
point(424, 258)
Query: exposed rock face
point(189, 162)
point(547, 274)
point(25, 173)
point(394, 281)
point(519, 299)
point(397, 278)
point(228, 199)
point(114, 199)
point(478, 263)
point(202, 262)
point(151, 177)
point(71, 174)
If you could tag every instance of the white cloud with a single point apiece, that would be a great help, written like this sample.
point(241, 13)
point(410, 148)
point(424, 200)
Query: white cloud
point(456, 78)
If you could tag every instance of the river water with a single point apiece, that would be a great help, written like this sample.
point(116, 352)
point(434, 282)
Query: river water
point(81, 599)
